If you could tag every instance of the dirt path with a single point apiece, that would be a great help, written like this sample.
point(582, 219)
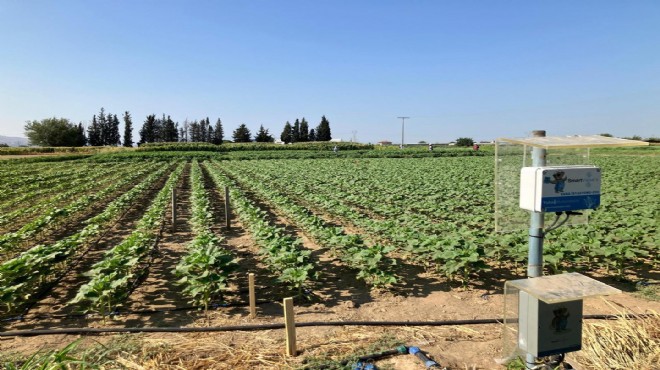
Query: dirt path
point(158, 290)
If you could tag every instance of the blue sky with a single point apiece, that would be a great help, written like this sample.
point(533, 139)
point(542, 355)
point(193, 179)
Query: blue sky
point(482, 69)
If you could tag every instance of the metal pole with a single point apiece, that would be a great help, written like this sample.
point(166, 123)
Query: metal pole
point(535, 256)
point(403, 121)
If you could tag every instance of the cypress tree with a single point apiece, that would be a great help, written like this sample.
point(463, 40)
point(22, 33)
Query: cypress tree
point(286, 133)
point(148, 130)
point(312, 135)
point(218, 133)
point(304, 130)
point(81, 140)
point(104, 127)
point(94, 133)
point(203, 130)
point(323, 130)
point(295, 132)
point(128, 130)
point(194, 132)
point(115, 136)
point(169, 130)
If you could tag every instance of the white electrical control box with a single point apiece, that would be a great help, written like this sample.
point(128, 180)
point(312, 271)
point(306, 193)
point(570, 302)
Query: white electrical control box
point(559, 189)
point(549, 328)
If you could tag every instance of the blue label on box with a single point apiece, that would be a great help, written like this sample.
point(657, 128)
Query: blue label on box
point(569, 203)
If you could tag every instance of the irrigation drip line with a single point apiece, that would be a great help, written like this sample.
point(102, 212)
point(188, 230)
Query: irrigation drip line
point(117, 312)
point(257, 327)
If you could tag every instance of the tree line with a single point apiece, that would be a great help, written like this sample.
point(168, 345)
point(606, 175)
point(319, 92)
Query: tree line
point(104, 131)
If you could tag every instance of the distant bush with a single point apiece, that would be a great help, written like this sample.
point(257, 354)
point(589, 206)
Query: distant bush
point(464, 141)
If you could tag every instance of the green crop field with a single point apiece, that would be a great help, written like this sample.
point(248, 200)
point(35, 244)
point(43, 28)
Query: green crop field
point(371, 213)
point(94, 237)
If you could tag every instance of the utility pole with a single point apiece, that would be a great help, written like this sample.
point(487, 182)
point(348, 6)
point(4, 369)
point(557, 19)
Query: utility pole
point(403, 121)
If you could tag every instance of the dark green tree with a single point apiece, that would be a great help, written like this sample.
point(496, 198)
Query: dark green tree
point(218, 133)
point(312, 135)
point(286, 133)
point(81, 140)
point(242, 134)
point(114, 136)
point(104, 128)
point(52, 132)
point(304, 130)
point(148, 131)
point(128, 130)
point(263, 136)
point(464, 141)
point(94, 133)
point(169, 130)
point(323, 130)
point(204, 130)
point(295, 131)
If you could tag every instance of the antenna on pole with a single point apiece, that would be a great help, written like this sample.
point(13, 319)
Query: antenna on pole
point(403, 121)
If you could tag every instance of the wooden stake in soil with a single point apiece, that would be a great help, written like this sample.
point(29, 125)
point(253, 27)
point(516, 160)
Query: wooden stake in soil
point(173, 209)
point(227, 210)
point(253, 298)
point(290, 326)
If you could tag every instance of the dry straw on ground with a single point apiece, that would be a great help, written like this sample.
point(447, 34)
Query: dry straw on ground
point(631, 342)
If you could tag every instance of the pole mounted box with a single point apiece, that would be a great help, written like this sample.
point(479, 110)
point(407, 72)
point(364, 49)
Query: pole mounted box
point(559, 189)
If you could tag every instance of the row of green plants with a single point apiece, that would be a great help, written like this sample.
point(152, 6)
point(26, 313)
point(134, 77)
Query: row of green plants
point(28, 181)
point(205, 269)
point(112, 277)
point(293, 153)
point(16, 194)
point(23, 276)
point(44, 200)
point(159, 156)
point(281, 252)
point(372, 262)
point(56, 216)
point(55, 158)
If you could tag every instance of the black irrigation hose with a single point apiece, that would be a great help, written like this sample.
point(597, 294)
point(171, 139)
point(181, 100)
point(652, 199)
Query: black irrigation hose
point(256, 327)
point(118, 312)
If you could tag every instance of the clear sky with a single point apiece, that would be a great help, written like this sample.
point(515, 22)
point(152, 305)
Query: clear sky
point(481, 69)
